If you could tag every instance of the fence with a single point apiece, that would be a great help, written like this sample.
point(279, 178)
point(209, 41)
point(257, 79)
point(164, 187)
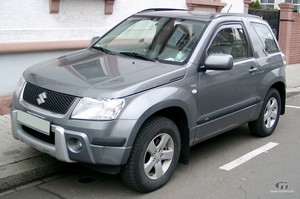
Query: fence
point(286, 26)
point(271, 16)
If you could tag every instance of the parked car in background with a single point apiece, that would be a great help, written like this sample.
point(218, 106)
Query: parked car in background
point(140, 96)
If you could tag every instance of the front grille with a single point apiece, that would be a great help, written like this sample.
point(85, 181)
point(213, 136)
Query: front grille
point(49, 139)
point(46, 99)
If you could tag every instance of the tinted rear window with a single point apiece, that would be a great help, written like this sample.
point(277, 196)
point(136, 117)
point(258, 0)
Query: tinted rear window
point(266, 37)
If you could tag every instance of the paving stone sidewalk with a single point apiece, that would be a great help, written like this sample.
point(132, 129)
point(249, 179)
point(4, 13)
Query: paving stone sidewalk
point(12, 150)
point(20, 163)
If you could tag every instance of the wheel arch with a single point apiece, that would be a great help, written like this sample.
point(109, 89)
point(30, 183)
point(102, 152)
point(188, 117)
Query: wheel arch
point(178, 114)
point(280, 87)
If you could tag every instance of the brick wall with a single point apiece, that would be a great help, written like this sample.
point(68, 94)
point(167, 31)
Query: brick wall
point(294, 49)
point(5, 104)
point(289, 33)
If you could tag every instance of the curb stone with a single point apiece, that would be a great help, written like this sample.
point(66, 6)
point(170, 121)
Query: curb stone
point(19, 173)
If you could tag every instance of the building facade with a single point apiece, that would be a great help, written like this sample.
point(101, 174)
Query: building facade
point(57, 20)
point(274, 4)
point(35, 30)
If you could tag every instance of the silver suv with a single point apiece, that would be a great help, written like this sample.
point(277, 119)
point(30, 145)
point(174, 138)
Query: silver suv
point(140, 96)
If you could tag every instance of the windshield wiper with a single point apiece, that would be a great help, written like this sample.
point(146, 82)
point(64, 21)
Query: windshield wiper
point(104, 50)
point(137, 55)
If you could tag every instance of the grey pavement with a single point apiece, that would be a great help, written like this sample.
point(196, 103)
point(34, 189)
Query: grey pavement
point(293, 79)
point(21, 164)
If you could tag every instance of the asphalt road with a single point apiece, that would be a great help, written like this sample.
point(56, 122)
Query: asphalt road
point(233, 165)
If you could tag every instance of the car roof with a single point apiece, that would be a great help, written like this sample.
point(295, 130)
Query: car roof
point(176, 13)
point(186, 14)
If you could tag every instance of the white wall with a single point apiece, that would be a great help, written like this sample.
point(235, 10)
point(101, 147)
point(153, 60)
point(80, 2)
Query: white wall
point(277, 2)
point(30, 20)
point(13, 65)
point(233, 6)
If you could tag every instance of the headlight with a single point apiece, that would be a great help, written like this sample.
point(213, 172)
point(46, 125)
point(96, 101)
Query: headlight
point(98, 109)
point(19, 86)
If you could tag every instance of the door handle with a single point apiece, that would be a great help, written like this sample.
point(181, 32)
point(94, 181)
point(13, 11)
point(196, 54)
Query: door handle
point(252, 70)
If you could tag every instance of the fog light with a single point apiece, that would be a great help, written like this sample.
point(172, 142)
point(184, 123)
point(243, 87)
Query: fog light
point(75, 145)
point(78, 145)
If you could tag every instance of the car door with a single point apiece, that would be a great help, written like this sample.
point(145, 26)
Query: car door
point(224, 96)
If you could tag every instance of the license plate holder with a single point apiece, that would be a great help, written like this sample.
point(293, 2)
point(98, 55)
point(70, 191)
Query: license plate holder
point(34, 122)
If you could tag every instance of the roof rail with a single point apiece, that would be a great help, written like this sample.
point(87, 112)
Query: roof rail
point(161, 9)
point(218, 15)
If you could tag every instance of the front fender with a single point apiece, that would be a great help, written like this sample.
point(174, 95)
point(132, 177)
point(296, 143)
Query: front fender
point(143, 105)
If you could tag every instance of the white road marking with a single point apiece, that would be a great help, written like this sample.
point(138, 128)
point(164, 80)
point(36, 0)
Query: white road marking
point(248, 156)
point(289, 106)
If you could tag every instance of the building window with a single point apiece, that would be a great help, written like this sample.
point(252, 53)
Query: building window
point(296, 4)
point(267, 4)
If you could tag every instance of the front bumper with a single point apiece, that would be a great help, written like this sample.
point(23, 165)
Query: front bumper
point(99, 151)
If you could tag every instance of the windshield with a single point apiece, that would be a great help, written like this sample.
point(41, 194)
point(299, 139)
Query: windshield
point(155, 38)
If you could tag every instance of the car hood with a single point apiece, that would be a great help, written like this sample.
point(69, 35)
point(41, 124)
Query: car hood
point(91, 73)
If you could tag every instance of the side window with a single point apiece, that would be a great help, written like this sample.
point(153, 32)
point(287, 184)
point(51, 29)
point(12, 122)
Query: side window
point(266, 37)
point(230, 41)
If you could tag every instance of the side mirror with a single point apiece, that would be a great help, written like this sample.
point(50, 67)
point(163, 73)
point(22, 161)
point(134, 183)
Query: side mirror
point(93, 40)
point(218, 62)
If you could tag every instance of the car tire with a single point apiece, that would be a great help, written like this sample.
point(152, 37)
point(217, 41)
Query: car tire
point(154, 155)
point(269, 115)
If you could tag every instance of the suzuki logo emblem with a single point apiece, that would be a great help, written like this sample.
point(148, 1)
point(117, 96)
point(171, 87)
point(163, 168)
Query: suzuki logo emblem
point(41, 99)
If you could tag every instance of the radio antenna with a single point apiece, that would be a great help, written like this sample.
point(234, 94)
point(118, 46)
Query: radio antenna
point(229, 8)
